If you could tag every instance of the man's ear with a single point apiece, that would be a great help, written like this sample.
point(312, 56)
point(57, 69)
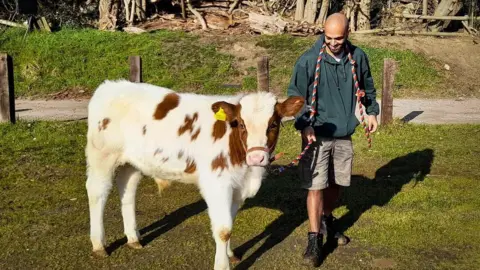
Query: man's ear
point(222, 108)
point(290, 107)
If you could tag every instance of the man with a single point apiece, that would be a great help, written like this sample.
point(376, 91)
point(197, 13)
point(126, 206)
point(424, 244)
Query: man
point(327, 165)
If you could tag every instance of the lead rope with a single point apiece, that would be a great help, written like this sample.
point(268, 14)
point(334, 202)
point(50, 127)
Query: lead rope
point(359, 93)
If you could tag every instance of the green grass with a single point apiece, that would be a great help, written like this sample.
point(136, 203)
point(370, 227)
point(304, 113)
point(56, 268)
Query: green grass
point(413, 204)
point(77, 60)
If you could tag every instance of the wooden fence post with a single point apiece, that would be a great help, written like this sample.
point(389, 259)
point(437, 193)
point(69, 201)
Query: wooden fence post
point(389, 69)
point(7, 97)
point(135, 68)
point(262, 74)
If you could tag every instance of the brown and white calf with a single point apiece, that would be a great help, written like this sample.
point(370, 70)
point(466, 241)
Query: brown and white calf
point(220, 143)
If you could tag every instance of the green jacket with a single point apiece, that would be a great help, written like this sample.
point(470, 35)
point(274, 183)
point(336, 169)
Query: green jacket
point(336, 99)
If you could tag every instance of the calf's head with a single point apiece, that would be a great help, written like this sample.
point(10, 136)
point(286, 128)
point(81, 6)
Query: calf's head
point(255, 124)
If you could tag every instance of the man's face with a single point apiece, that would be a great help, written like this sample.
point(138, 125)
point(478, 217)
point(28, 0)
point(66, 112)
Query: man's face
point(335, 40)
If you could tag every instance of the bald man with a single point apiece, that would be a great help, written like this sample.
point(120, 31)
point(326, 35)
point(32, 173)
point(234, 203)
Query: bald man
point(327, 166)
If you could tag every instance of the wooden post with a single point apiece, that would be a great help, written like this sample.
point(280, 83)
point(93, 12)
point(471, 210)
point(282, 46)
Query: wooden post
point(135, 68)
point(425, 8)
point(389, 69)
point(262, 74)
point(7, 97)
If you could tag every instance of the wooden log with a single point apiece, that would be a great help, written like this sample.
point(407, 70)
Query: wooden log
point(135, 68)
point(7, 97)
point(389, 69)
point(268, 25)
point(263, 74)
point(438, 34)
point(9, 23)
point(413, 33)
point(425, 8)
point(422, 17)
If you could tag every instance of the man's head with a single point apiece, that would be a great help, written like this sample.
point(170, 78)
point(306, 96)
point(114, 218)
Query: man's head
point(336, 32)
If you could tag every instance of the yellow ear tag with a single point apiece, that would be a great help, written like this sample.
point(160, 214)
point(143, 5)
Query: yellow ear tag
point(220, 115)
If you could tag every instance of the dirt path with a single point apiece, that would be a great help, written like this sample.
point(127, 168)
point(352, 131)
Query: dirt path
point(414, 110)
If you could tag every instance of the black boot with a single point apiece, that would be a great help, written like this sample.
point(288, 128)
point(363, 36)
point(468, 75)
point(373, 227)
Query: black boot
point(332, 232)
point(311, 256)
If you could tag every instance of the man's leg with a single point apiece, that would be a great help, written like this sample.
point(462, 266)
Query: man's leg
point(314, 175)
point(340, 171)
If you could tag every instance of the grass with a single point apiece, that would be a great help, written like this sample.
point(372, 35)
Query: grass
point(79, 60)
point(413, 204)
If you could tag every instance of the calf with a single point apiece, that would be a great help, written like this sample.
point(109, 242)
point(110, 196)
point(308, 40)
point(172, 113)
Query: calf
point(220, 143)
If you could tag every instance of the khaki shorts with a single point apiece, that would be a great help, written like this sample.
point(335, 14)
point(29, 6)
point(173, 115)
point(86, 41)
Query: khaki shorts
point(326, 157)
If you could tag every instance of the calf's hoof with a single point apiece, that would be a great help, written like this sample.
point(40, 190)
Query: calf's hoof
point(100, 253)
point(135, 245)
point(234, 259)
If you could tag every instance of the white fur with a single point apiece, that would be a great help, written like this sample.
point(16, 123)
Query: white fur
point(123, 147)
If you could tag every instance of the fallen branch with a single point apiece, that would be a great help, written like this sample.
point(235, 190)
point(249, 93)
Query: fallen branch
point(422, 17)
point(9, 23)
point(199, 17)
point(393, 31)
point(233, 6)
point(266, 24)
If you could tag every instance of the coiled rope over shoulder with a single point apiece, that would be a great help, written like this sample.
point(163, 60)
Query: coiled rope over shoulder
point(358, 92)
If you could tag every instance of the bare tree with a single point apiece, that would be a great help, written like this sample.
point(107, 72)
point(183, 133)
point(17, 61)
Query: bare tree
point(310, 11)
point(323, 12)
point(300, 9)
point(445, 8)
point(108, 14)
point(363, 15)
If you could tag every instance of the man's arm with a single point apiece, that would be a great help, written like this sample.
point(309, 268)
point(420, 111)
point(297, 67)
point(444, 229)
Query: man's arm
point(299, 87)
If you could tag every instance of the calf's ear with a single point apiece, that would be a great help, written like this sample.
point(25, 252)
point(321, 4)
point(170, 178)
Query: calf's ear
point(290, 107)
point(224, 111)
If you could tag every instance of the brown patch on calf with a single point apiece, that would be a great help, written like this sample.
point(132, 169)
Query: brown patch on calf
point(169, 103)
point(238, 140)
point(165, 159)
point(188, 124)
point(191, 166)
point(180, 154)
point(219, 129)
point(219, 162)
point(273, 130)
point(195, 135)
point(144, 130)
point(102, 125)
point(225, 235)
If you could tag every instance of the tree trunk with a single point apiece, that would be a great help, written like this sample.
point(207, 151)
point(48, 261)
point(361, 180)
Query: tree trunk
point(108, 10)
point(300, 10)
point(363, 19)
point(310, 11)
point(445, 8)
point(323, 12)
point(350, 13)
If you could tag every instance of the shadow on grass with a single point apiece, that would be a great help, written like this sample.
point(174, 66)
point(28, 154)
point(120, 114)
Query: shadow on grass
point(282, 193)
point(159, 227)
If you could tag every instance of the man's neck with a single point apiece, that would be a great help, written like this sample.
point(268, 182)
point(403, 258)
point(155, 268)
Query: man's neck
point(338, 55)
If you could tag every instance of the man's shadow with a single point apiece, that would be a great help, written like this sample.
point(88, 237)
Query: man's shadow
point(282, 192)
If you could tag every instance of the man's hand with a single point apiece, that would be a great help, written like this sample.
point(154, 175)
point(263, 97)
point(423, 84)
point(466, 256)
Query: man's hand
point(309, 134)
point(372, 123)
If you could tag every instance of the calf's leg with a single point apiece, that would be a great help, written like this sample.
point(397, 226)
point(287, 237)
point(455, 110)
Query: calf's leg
point(127, 181)
point(218, 196)
point(100, 169)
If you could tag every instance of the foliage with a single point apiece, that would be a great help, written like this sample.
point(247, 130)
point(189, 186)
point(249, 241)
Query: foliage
point(65, 13)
